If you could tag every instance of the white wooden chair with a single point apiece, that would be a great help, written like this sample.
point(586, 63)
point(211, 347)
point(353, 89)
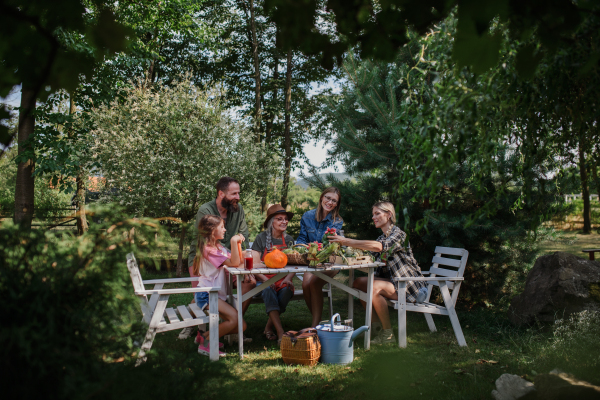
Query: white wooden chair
point(155, 309)
point(447, 273)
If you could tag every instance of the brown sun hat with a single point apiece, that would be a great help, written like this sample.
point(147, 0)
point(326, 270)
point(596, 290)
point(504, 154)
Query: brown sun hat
point(276, 209)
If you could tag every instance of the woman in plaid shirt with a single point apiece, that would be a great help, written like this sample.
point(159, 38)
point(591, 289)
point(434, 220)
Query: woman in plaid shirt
point(391, 248)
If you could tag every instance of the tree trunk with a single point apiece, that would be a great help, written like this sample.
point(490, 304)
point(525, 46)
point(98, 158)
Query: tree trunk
point(287, 140)
point(81, 219)
point(270, 122)
point(585, 188)
point(595, 177)
point(258, 112)
point(271, 117)
point(25, 185)
point(179, 269)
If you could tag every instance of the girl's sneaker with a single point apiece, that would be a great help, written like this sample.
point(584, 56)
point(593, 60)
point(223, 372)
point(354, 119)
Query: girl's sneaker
point(200, 338)
point(204, 347)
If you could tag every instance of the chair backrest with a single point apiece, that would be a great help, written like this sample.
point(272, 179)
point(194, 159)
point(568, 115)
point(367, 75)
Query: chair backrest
point(449, 267)
point(138, 285)
point(134, 273)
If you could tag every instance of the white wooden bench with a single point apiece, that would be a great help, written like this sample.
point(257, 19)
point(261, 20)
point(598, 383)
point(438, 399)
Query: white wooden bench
point(155, 309)
point(446, 273)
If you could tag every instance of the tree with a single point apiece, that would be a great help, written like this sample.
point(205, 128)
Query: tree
point(452, 150)
point(25, 182)
point(35, 54)
point(247, 57)
point(379, 29)
point(566, 96)
point(162, 148)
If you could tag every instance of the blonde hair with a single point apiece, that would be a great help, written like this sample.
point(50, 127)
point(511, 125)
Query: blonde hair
point(387, 207)
point(335, 213)
point(206, 228)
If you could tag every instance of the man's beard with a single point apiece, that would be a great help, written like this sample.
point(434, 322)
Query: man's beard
point(230, 205)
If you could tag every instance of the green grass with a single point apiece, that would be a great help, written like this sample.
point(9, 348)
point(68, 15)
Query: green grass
point(571, 242)
point(433, 366)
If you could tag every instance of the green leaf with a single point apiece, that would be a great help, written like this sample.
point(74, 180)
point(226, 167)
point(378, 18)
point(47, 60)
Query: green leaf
point(527, 61)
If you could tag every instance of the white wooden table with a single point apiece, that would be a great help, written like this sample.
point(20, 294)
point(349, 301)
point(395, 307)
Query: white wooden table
point(280, 273)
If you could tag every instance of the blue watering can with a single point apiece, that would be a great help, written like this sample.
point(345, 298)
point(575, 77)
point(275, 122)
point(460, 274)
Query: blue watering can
point(337, 341)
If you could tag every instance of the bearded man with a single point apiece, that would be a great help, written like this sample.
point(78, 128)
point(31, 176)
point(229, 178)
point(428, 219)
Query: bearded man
point(227, 206)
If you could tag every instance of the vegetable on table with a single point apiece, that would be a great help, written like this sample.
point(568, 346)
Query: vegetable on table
point(325, 238)
point(276, 259)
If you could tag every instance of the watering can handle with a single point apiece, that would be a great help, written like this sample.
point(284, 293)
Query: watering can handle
point(333, 320)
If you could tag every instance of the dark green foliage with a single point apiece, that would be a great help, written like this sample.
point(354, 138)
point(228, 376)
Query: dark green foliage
point(70, 318)
point(440, 144)
point(379, 29)
point(39, 44)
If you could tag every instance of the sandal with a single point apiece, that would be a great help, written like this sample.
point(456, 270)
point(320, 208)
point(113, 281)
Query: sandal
point(270, 335)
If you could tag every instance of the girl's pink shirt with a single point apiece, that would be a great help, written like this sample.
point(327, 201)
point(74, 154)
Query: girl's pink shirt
point(213, 267)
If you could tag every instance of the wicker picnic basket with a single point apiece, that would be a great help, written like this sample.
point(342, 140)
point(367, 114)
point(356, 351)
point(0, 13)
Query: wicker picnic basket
point(297, 259)
point(301, 347)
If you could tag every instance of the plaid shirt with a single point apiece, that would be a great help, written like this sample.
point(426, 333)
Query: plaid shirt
point(399, 261)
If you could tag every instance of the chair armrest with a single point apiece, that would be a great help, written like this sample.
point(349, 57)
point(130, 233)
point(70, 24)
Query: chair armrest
point(178, 291)
point(430, 279)
point(172, 280)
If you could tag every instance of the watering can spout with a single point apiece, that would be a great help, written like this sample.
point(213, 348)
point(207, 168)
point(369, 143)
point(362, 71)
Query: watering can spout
point(358, 332)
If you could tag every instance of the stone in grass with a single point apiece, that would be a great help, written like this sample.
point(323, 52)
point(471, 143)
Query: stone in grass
point(559, 385)
point(557, 286)
point(513, 387)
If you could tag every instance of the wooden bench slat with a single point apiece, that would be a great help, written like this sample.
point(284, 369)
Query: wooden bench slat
point(185, 315)
point(171, 315)
point(196, 310)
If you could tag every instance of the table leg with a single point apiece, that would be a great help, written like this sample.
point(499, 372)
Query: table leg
point(350, 297)
point(240, 278)
point(231, 301)
point(370, 279)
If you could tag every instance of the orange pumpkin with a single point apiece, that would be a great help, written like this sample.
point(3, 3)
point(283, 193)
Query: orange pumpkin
point(276, 259)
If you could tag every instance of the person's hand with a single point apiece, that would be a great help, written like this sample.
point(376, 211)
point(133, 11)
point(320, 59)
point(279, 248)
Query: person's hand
point(288, 281)
point(339, 239)
point(237, 238)
point(249, 279)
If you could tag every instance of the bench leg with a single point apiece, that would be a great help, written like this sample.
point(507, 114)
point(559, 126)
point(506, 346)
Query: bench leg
point(161, 304)
point(401, 314)
point(452, 314)
point(213, 325)
point(430, 323)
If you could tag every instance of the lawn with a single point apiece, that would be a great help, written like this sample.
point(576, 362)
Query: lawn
point(433, 366)
point(571, 242)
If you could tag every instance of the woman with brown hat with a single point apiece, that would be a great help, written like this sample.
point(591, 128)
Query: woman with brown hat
point(277, 296)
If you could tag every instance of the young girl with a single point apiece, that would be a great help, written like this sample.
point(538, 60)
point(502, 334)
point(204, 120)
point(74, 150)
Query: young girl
point(208, 265)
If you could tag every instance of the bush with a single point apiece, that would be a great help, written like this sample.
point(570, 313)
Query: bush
point(69, 317)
